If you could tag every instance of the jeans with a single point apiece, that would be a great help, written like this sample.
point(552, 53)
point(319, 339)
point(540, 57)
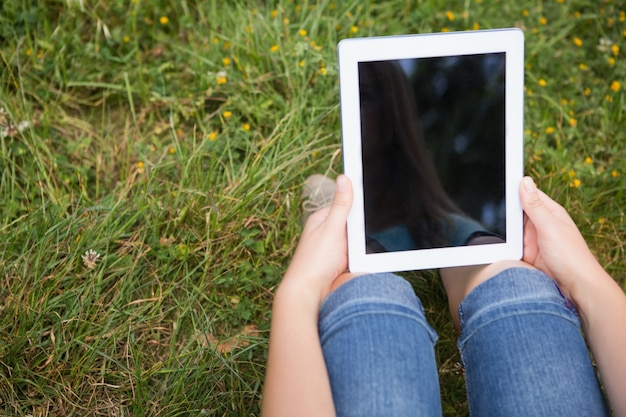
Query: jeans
point(521, 347)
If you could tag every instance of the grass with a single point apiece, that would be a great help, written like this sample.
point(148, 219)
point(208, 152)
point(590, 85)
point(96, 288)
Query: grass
point(172, 138)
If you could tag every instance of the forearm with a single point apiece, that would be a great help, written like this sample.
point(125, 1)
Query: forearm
point(296, 380)
point(603, 314)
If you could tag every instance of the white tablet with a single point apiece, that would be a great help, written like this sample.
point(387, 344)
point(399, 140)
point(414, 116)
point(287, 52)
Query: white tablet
point(432, 131)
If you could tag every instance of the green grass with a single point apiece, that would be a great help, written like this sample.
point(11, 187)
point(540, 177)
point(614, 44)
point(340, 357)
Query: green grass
point(172, 137)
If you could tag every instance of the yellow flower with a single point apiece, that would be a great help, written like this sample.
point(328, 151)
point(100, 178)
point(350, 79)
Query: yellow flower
point(164, 20)
point(323, 71)
point(29, 51)
point(139, 167)
point(285, 21)
point(611, 61)
point(302, 32)
point(573, 122)
point(274, 48)
point(588, 160)
point(226, 61)
point(301, 63)
point(172, 150)
point(575, 183)
point(227, 114)
point(543, 21)
point(354, 29)
point(578, 41)
point(549, 130)
point(587, 91)
point(583, 67)
point(615, 173)
point(212, 135)
point(476, 26)
point(246, 126)
point(542, 82)
point(615, 49)
point(601, 220)
point(220, 77)
point(571, 173)
point(126, 39)
point(445, 29)
point(274, 13)
point(564, 101)
point(450, 15)
point(615, 86)
point(524, 12)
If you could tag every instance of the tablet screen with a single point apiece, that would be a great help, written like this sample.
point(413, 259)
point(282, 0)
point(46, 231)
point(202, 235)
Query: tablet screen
point(433, 151)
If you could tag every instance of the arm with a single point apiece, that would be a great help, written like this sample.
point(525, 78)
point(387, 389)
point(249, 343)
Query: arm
point(553, 243)
point(296, 381)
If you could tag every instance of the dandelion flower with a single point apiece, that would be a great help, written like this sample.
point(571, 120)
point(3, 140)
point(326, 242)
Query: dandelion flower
point(354, 29)
point(542, 82)
point(615, 173)
point(126, 39)
point(583, 67)
point(588, 160)
point(578, 42)
point(549, 130)
point(450, 15)
point(302, 32)
point(323, 71)
point(587, 91)
point(274, 13)
point(615, 50)
point(615, 86)
point(90, 258)
point(164, 20)
point(172, 150)
point(575, 183)
point(212, 135)
point(543, 21)
point(139, 167)
point(301, 63)
point(274, 48)
point(573, 122)
point(246, 127)
point(226, 61)
point(227, 114)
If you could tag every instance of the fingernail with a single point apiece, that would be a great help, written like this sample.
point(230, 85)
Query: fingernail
point(342, 183)
point(529, 184)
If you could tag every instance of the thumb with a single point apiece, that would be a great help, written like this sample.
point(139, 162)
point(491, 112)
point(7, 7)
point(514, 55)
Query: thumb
point(533, 204)
point(342, 201)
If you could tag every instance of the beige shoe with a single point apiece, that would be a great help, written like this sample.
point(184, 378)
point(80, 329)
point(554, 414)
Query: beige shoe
point(317, 193)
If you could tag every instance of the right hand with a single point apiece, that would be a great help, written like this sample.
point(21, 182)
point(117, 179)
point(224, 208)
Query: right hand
point(553, 243)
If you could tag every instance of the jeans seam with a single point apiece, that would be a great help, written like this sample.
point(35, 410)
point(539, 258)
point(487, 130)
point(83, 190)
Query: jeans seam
point(422, 322)
point(465, 338)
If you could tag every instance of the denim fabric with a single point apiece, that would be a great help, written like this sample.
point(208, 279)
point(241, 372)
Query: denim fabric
point(523, 351)
point(521, 346)
point(379, 349)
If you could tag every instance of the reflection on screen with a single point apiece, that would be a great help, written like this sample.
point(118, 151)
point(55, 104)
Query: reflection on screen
point(433, 151)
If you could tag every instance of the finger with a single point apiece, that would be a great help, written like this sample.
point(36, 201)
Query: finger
point(535, 205)
point(342, 202)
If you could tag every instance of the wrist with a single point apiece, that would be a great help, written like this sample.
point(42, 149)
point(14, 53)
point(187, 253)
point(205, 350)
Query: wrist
point(298, 294)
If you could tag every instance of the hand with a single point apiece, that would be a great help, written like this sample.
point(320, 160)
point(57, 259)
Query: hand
point(322, 253)
point(553, 243)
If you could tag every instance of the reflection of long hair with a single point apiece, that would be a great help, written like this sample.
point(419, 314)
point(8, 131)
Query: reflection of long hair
point(401, 185)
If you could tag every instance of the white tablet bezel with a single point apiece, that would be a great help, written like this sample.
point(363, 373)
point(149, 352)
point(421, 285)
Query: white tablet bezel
point(355, 50)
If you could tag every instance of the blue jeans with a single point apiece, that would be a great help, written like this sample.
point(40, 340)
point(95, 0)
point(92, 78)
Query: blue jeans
point(521, 346)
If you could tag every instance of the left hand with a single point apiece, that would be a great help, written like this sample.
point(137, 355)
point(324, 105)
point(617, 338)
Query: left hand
point(322, 253)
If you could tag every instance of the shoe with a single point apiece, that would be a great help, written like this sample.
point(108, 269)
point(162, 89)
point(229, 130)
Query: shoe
point(317, 193)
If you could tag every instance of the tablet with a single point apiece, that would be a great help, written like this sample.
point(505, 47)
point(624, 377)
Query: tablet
point(432, 133)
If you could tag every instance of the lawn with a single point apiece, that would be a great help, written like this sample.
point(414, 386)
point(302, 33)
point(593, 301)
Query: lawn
point(152, 154)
